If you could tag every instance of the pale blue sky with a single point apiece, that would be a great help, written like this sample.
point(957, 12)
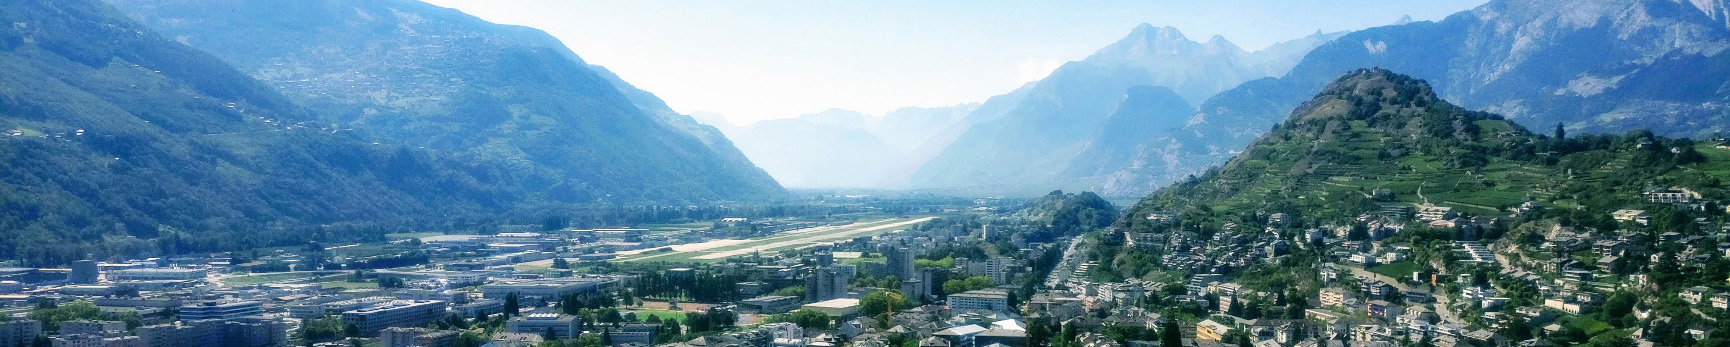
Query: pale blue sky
point(756, 59)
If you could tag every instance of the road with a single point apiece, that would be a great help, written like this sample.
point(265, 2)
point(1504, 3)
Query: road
point(1060, 274)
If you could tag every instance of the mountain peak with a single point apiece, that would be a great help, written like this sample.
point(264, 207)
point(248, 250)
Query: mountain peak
point(1149, 33)
point(1406, 19)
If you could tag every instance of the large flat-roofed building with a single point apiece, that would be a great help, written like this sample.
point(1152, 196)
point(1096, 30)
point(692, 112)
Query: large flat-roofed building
point(419, 337)
point(770, 304)
point(398, 313)
point(221, 310)
point(546, 289)
point(158, 274)
point(314, 310)
point(837, 308)
point(90, 327)
point(984, 300)
point(561, 326)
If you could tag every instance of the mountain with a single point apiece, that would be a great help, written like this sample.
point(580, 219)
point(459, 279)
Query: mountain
point(1376, 130)
point(410, 73)
point(1594, 66)
point(120, 142)
point(1041, 138)
point(841, 148)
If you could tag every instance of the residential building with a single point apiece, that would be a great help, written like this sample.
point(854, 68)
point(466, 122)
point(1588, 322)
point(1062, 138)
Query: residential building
point(826, 282)
point(19, 332)
point(1334, 297)
point(984, 300)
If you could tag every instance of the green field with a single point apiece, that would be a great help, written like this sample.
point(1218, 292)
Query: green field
point(643, 314)
point(1400, 270)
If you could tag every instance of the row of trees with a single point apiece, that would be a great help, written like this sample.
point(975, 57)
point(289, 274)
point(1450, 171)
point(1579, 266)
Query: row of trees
point(700, 286)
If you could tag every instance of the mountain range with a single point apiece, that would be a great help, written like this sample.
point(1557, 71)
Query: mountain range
point(1090, 118)
point(344, 120)
point(1592, 66)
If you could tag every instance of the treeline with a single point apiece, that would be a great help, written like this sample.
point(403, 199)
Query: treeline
point(700, 286)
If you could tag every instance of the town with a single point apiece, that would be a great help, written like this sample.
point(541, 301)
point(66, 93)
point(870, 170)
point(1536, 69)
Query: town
point(999, 273)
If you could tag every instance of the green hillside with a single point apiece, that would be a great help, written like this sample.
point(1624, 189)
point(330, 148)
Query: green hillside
point(1373, 129)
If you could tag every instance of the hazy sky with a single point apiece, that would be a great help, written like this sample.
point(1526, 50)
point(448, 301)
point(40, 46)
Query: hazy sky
point(750, 60)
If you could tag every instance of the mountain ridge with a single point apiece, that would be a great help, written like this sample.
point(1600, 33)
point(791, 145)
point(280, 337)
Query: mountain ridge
point(1051, 125)
point(417, 74)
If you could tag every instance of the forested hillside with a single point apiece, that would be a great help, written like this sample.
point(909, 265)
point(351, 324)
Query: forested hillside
point(114, 136)
point(406, 72)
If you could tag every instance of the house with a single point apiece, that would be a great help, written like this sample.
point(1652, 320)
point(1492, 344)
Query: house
point(1431, 213)
point(1379, 308)
point(1672, 195)
point(1721, 301)
point(1334, 297)
point(1695, 295)
point(1636, 216)
point(1208, 330)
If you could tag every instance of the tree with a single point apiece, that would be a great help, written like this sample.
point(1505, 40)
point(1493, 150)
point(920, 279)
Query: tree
point(669, 329)
point(511, 305)
point(883, 301)
point(561, 263)
point(1560, 133)
point(1169, 335)
point(1038, 334)
point(808, 319)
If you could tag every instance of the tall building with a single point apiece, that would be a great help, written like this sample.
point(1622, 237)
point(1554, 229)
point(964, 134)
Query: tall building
point(900, 261)
point(826, 282)
point(83, 272)
point(399, 313)
point(19, 332)
point(823, 256)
